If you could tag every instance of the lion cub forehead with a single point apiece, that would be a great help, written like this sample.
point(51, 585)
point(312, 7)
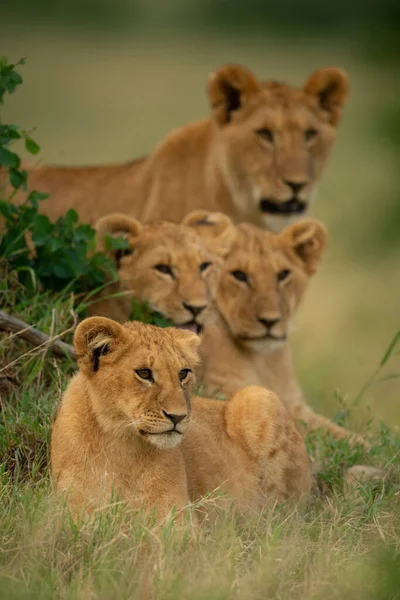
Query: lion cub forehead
point(172, 235)
point(149, 334)
point(255, 241)
point(164, 341)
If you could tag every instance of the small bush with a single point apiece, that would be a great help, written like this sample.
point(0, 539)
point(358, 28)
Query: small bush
point(54, 255)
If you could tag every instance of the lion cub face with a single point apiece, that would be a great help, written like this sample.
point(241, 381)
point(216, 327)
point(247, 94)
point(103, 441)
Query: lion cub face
point(139, 377)
point(274, 139)
point(168, 265)
point(263, 277)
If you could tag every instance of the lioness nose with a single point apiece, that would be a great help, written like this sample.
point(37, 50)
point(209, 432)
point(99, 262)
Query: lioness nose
point(269, 323)
point(195, 310)
point(295, 186)
point(175, 418)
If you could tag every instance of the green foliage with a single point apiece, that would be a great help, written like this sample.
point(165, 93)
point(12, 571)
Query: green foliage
point(53, 255)
point(10, 79)
point(141, 311)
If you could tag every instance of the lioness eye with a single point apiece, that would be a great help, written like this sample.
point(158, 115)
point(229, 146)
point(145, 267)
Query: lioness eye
point(240, 276)
point(204, 266)
point(166, 269)
point(283, 274)
point(184, 374)
point(266, 134)
point(310, 134)
point(145, 374)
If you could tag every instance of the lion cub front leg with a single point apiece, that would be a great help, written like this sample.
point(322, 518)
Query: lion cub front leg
point(260, 423)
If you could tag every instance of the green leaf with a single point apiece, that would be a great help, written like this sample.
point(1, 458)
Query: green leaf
point(62, 271)
point(116, 243)
point(42, 230)
point(35, 197)
point(31, 146)
point(18, 178)
point(7, 210)
point(84, 233)
point(71, 218)
point(9, 159)
point(9, 132)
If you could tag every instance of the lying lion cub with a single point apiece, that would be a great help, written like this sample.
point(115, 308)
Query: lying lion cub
point(263, 280)
point(128, 428)
point(167, 264)
point(257, 158)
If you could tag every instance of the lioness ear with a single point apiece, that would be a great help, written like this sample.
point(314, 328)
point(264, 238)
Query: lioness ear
point(330, 86)
point(229, 89)
point(117, 225)
point(308, 240)
point(94, 337)
point(216, 229)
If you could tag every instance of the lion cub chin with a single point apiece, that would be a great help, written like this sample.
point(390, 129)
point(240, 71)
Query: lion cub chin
point(128, 428)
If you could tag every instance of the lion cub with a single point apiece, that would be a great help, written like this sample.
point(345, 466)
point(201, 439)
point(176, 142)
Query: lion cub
point(166, 264)
point(129, 429)
point(262, 283)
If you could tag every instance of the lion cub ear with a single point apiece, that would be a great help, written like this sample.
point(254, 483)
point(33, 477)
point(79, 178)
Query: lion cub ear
point(95, 337)
point(307, 238)
point(229, 89)
point(330, 86)
point(216, 229)
point(189, 343)
point(117, 225)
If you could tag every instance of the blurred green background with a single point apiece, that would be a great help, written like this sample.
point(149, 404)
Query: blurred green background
point(105, 80)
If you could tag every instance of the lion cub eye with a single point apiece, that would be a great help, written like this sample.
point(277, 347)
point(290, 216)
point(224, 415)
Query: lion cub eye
point(204, 266)
point(184, 374)
point(145, 374)
point(310, 134)
point(240, 276)
point(266, 134)
point(166, 269)
point(284, 274)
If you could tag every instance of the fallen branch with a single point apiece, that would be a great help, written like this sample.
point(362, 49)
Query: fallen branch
point(34, 336)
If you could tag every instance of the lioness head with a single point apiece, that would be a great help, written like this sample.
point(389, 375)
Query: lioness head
point(263, 279)
point(139, 377)
point(168, 265)
point(274, 139)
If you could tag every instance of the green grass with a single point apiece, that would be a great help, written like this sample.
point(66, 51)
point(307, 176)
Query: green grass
point(345, 545)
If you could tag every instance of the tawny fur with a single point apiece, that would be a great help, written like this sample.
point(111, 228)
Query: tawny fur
point(236, 350)
point(260, 136)
point(113, 439)
point(194, 265)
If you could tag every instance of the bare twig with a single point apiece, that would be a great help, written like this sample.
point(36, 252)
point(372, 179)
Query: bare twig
point(34, 336)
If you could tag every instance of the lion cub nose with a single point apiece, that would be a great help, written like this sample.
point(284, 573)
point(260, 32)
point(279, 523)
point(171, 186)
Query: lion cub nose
point(269, 323)
point(195, 310)
point(175, 418)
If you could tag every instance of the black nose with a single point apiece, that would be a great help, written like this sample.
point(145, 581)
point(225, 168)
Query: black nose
point(175, 418)
point(269, 323)
point(195, 310)
point(295, 186)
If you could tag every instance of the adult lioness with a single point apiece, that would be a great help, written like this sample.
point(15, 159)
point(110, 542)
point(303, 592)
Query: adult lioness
point(128, 427)
point(167, 264)
point(257, 159)
point(263, 279)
